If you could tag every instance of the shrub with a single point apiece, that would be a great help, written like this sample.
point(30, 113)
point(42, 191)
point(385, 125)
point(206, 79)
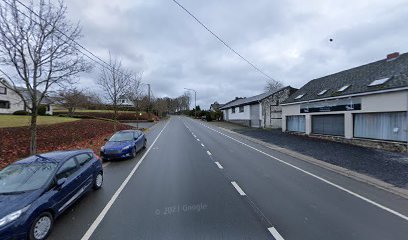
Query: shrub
point(42, 110)
point(20, 112)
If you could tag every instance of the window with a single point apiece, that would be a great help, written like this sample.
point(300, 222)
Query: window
point(300, 96)
point(5, 104)
point(137, 134)
point(342, 89)
point(322, 92)
point(233, 110)
point(123, 100)
point(378, 82)
point(67, 169)
point(3, 90)
point(241, 109)
point(83, 159)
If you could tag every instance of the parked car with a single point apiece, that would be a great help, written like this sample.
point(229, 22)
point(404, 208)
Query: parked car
point(36, 190)
point(123, 144)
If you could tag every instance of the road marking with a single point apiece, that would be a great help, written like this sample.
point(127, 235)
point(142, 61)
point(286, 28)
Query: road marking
point(319, 178)
point(275, 233)
point(105, 210)
point(202, 145)
point(208, 152)
point(219, 165)
point(104, 165)
point(198, 139)
point(242, 193)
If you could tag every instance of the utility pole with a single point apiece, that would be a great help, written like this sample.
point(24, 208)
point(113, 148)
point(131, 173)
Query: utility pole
point(148, 106)
point(195, 100)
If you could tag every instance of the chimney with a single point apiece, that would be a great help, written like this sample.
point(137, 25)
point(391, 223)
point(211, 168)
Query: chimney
point(392, 56)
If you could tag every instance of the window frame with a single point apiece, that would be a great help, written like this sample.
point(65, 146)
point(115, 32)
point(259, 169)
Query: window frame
point(241, 109)
point(87, 161)
point(233, 110)
point(5, 91)
point(59, 169)
point(7, 106)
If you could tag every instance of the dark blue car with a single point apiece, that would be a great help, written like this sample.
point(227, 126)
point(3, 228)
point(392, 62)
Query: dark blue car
point(123, 144)
point(36, 190)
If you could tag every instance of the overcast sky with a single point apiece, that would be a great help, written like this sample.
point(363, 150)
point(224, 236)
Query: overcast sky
point(288, 39)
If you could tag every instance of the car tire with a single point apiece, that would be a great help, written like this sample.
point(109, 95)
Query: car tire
point(134, 152)
point(41, 226)
point(98, 181)
point(145, 144)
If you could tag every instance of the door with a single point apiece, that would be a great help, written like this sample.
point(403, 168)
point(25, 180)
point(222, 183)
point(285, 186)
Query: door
point(86, 171)
point(295, 123)
point(138, 141)
point(255, 121)
point(66, 194)
point(328, 124)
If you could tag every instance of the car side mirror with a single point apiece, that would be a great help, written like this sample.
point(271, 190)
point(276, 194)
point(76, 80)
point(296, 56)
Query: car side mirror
point(105, 139)
point(135, 138)
point(61, 182)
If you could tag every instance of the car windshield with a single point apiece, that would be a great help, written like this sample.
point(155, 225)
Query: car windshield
point(25, 177)
point(121, 136)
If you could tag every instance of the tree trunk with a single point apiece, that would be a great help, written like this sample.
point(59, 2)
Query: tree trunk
point(33, 131)
point(115, 117)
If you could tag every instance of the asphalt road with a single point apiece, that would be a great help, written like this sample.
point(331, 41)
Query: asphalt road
point(196, 181)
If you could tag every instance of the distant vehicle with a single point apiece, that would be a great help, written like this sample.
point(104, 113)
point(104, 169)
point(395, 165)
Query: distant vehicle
point(36, 190)
point(123, 144)
point(204, 118)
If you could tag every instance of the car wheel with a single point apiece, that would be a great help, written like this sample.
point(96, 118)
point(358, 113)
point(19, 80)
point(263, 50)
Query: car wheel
point(98, 181)
point(41, 226)
point(134, 151)
point(145, 144)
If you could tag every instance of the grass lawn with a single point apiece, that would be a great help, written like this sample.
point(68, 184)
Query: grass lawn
point(21, 121)
point(85, 110)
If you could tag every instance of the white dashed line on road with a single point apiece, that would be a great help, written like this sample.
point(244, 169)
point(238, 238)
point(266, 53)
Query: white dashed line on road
point(275, 233)
point(242, 193)
point(208, 152)
point(219, 165)
point(202, 145)
point(198, 139)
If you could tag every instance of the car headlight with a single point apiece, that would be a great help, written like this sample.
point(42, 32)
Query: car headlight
point(126, 148)
point(102, 148)
point(12, 216)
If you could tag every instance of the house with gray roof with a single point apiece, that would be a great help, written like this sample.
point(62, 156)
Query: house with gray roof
point(368, 102)
point(262, 110)
point(11, 102)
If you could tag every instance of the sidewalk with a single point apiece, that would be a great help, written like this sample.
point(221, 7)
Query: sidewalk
point(390, 167)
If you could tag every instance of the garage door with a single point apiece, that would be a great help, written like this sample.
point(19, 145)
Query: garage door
point(295, 123)
point(384, 126)
point(254, 115)
point(328, 124)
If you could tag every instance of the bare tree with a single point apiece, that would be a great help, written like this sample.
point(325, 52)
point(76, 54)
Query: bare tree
point(134, 91)
point(115, 83)
point(37, 50)
point(273, 86)
point(71, 99)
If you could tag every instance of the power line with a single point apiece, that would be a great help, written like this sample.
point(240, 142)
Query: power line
point(101, 62)
point(223, 42)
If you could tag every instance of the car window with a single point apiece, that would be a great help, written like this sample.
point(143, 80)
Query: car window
point(67, 169)
point(25, 177)
point(137, 134)
point(83, 158)
point(121, 136)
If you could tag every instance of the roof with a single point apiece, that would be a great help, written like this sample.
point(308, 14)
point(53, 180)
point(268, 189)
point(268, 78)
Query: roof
point(56, 156)
point(250, 100)
point(358, 79)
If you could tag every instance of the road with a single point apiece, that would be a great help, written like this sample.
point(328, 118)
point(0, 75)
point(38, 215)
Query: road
point(196, 181)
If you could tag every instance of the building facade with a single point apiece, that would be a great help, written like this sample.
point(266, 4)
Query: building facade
point(262, 110)
point(369, 102)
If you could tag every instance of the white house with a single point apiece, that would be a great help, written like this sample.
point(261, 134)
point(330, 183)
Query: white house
point(369, 102)
point(11, 102)
point(262, 110)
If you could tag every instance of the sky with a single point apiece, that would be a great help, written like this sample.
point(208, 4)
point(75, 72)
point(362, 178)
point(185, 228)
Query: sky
point(287, 39)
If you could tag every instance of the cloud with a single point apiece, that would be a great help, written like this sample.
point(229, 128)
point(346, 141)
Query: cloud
point(289, 40)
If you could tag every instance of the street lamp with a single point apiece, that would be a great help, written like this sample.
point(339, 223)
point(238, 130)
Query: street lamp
point(195, 100)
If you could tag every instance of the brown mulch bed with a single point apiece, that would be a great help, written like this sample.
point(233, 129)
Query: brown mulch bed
point(14, 142)
point(122, 116)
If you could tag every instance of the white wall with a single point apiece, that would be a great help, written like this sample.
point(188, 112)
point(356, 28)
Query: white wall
point(239, 115)
point(15, 102)
point(383, 102)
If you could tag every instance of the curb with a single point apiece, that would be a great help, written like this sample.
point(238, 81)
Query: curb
point(334, 168)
